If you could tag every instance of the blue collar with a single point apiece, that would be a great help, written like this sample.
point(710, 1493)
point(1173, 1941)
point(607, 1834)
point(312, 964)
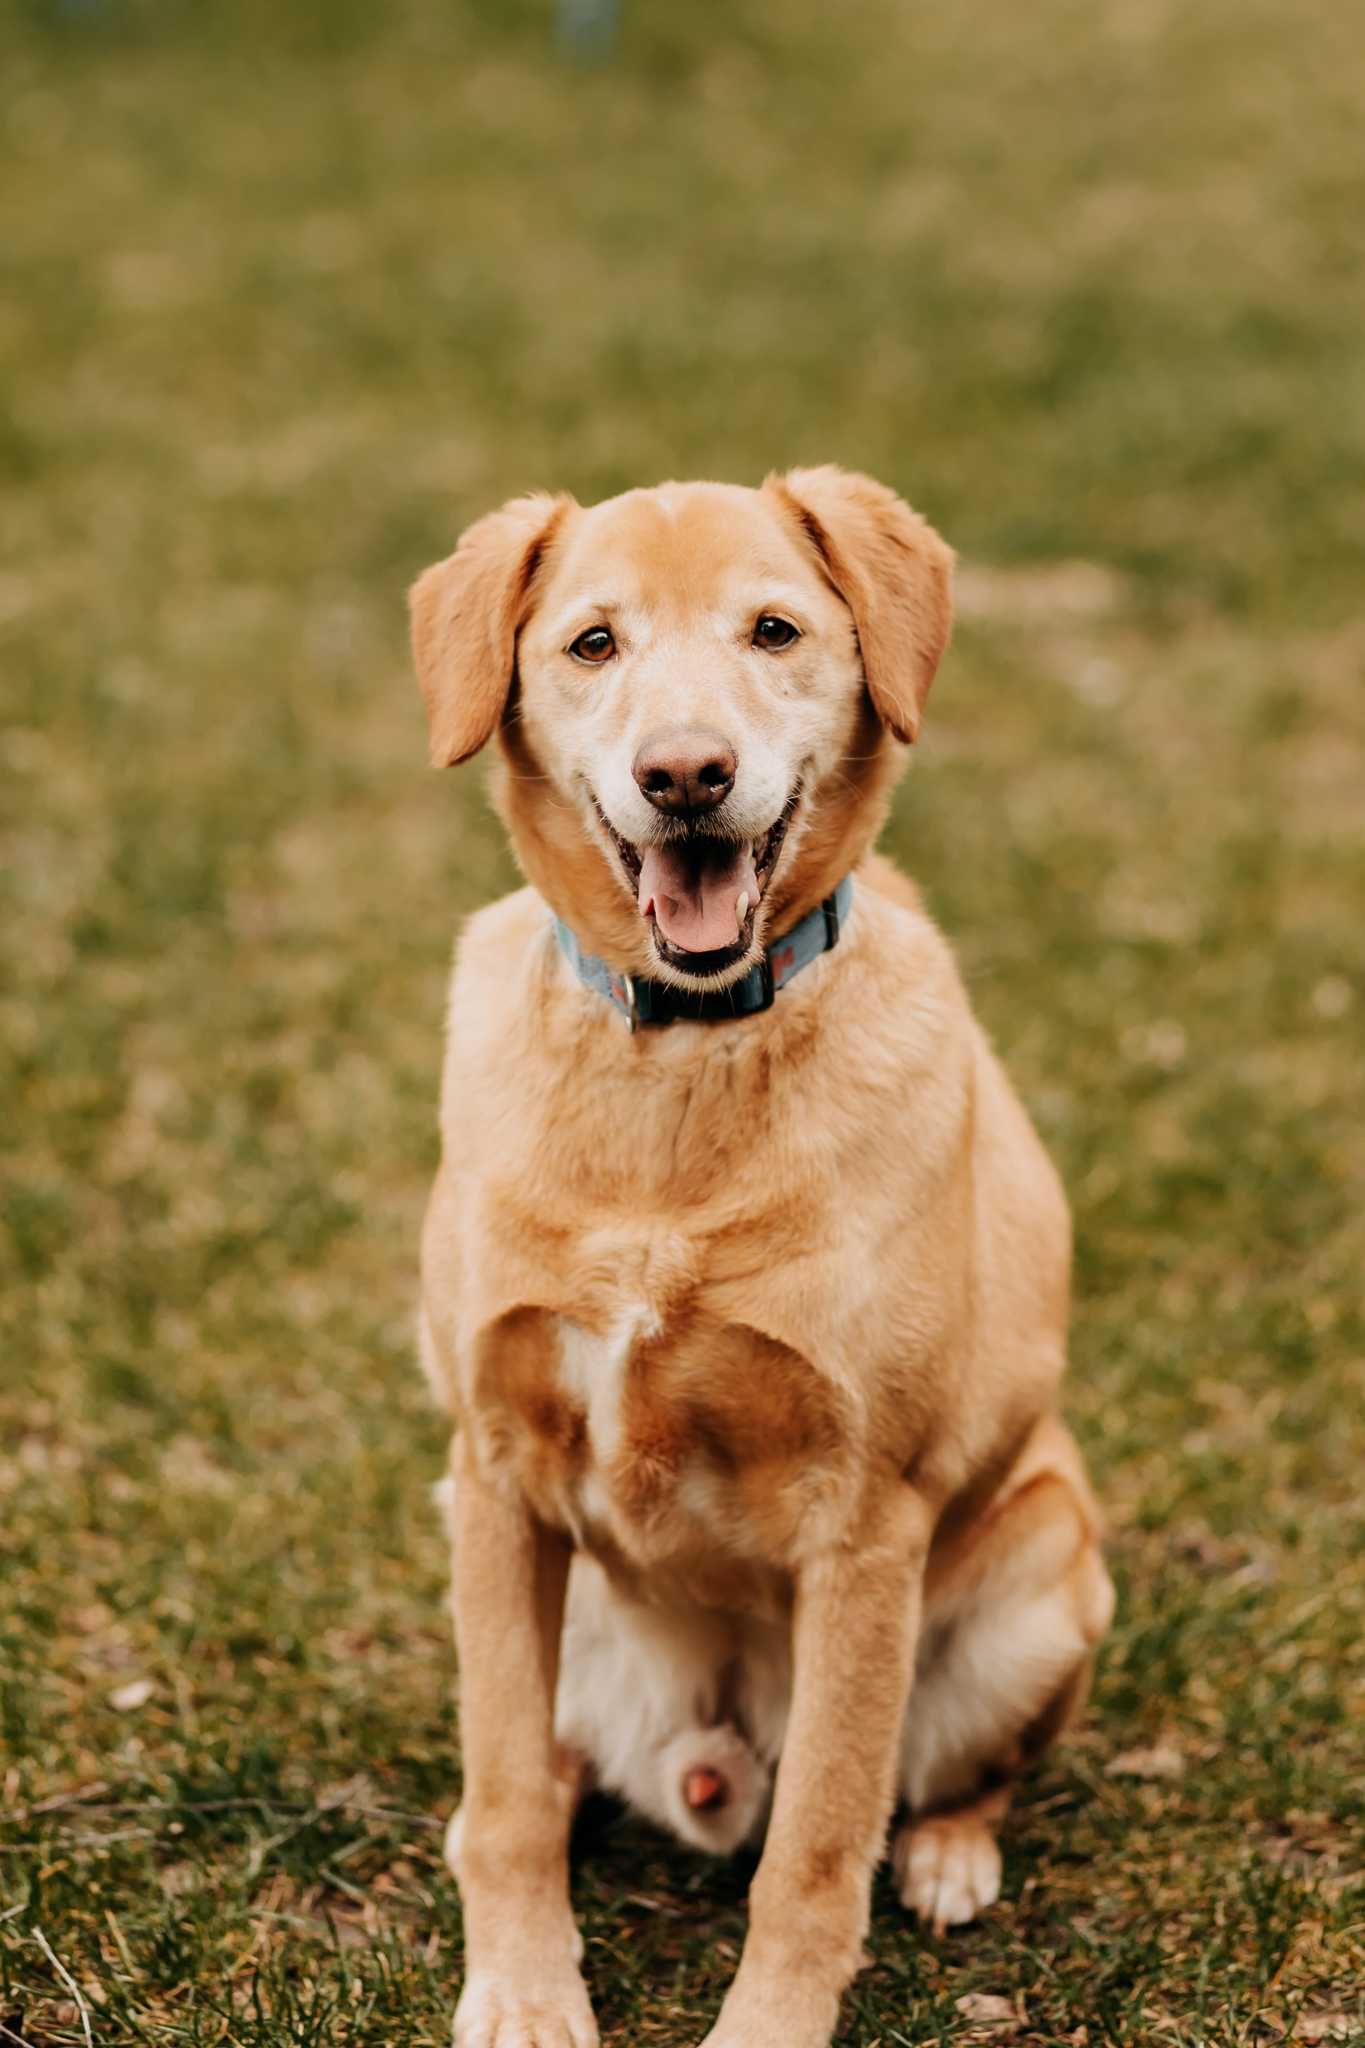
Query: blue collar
point(658, 1002)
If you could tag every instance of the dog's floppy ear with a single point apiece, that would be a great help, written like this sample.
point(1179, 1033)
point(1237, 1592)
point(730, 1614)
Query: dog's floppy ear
point(466, 613)
point(892, 571)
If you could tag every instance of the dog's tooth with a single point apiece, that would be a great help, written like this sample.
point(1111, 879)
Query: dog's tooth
point(742, 907)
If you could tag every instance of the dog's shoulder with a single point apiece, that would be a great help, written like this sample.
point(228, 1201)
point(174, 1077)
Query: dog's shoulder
point(893, 885)
point(498, 933)
point(911, 996)
point(493, 952)
point(499, 952)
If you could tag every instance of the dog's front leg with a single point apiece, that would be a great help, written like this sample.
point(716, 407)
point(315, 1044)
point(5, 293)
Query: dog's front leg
point(854, 1628)
point(522, 1984)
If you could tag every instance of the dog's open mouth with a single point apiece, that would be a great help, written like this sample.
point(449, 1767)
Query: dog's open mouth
point(700, 892)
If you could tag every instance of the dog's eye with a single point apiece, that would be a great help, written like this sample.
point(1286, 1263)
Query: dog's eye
point(595, 646)
point(773, 633)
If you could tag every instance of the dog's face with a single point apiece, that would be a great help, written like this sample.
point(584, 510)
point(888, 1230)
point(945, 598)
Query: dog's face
point(698, 690)
point(686, 674)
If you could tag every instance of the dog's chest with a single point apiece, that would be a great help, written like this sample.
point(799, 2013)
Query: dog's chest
point(591, 1371)
point(651, 1434)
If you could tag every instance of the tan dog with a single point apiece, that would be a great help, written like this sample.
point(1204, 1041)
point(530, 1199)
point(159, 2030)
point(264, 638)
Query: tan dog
point(757, 1324)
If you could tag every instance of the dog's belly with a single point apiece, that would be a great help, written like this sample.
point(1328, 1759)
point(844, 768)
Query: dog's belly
point(684, 1448)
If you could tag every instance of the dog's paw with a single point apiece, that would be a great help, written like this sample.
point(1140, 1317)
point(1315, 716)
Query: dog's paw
point(494, 2013)
point(790, 2011)
point(947, 1869)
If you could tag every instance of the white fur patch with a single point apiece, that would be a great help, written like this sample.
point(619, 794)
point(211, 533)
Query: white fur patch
point(639, 1695)
point(1001, 1667)
point(592, 1370)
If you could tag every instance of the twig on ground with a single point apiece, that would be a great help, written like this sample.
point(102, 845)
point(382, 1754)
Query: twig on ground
point(72, 1986)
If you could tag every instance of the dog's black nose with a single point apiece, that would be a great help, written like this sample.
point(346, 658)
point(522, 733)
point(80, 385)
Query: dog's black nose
point(685, 769)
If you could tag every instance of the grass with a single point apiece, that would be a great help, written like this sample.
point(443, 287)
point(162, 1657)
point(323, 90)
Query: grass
point(292, 293)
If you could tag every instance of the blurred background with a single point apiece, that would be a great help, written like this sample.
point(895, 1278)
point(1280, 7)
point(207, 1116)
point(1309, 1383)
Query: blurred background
point(290, 293)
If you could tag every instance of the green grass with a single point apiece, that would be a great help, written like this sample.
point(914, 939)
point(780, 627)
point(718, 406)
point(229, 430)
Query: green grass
point(290, 294)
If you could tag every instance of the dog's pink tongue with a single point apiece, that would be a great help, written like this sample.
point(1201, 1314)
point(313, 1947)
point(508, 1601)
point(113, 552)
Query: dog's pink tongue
point(693, 890)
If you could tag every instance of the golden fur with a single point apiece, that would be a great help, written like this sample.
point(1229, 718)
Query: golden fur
point(752, 1331)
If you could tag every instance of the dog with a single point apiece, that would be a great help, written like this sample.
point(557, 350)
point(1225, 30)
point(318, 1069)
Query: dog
point(744, 1276)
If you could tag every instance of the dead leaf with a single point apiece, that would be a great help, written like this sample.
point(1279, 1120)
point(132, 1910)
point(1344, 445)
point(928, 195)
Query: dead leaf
point(989, 2009)
point(126, 1699)
point(1325, 2026)
point(1162, 1760)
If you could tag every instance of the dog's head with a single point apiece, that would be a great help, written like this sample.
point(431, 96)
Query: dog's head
point(698, 692)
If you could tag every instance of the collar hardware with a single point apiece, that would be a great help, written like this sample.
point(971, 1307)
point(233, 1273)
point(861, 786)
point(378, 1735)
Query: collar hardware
point(641, 1001)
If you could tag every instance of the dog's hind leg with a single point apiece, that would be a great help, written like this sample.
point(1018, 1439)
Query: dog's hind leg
point(1013, 1611)
point(947, 1866)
